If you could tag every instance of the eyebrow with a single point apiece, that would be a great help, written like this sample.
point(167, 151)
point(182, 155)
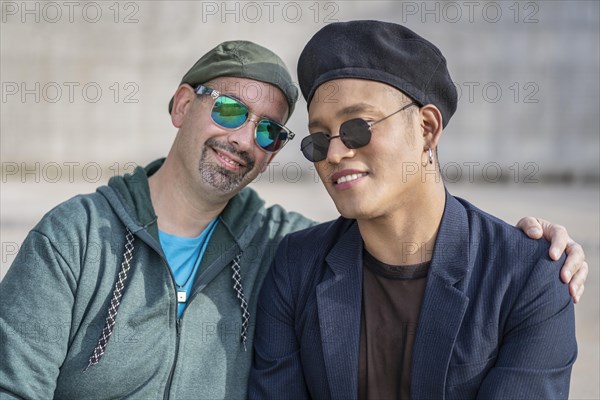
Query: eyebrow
point(346, 111)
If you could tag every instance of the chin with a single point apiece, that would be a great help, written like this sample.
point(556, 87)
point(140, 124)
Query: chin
point(352, 211)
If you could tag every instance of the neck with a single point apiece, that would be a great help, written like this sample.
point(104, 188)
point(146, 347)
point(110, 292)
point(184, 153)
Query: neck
point(179, 205)
point(408, 235)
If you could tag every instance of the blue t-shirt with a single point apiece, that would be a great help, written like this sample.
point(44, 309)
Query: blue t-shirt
point(184, 255)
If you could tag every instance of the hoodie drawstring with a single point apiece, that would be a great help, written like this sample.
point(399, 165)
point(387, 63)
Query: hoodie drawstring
point(239, 289)
point(115, 302)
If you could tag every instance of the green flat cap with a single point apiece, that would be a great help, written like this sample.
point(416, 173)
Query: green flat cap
point(243, 59)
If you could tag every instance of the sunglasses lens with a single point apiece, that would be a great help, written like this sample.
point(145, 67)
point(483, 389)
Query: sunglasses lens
point(355, 133)
point(270, 135)
point(315, 146)
point(229, 113)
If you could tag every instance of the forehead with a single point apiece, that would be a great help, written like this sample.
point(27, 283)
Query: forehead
point(262, 98)
point(361, 94)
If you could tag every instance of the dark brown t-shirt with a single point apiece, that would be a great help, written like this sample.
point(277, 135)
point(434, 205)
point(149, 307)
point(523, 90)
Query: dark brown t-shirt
point(392, 297)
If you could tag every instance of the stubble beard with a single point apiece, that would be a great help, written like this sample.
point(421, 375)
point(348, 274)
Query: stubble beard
point(220, 178)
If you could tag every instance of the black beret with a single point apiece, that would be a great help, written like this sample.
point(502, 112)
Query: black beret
point(378, 51)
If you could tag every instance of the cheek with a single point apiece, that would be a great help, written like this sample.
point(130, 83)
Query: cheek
point(324, 170)
point(192, 140)
point(390, 162)
point(396, 149)
point(261, 160)
point(268, 159)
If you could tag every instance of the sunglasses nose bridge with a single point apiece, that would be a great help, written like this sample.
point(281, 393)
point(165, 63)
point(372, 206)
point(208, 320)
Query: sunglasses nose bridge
point(255, 119)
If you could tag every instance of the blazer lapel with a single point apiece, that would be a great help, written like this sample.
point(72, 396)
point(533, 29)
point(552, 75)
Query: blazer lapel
point(444, 304)
point(339, 299)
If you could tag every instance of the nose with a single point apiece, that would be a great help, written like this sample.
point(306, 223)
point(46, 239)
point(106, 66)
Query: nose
point(243, 138)
point(337, 151)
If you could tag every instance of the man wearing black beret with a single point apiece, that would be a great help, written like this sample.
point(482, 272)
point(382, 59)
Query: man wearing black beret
point(412, 292)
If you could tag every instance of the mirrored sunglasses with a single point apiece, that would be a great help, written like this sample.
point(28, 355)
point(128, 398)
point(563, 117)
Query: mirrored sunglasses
point(354, 133)
point(230, 113)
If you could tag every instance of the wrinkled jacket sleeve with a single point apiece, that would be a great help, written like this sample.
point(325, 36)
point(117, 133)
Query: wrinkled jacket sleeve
point(276, 368)
point(36, 300)
point(539, 347)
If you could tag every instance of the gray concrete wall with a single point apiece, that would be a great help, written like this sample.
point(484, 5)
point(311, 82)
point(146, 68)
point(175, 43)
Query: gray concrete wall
point(88, 82)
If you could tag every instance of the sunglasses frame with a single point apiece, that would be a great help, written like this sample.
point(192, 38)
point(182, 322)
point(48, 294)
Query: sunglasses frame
point(201, 90)
point(309, 140)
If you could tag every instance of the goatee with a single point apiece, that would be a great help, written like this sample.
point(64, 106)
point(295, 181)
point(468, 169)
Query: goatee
point(216, 175)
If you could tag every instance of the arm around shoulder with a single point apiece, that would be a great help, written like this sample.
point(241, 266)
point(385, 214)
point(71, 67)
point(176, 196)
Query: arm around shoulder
point(538, 345)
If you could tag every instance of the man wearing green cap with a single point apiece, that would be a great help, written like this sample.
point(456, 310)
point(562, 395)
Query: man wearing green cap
point(148, 287)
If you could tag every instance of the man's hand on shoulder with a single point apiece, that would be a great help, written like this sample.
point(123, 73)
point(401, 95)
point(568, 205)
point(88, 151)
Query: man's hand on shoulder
point(575, 270)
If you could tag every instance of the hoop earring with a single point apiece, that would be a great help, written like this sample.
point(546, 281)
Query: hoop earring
point(429, 158)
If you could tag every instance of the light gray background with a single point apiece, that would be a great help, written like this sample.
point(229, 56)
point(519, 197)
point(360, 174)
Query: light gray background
point(527, 72)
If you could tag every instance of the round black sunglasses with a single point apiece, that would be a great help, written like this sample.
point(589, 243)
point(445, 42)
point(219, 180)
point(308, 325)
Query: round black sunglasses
point(354, 133)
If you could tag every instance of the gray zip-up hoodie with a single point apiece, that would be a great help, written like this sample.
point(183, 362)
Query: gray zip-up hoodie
point(54, 301)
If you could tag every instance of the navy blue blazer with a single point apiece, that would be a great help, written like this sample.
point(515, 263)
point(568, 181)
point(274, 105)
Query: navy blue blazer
point(495, 322)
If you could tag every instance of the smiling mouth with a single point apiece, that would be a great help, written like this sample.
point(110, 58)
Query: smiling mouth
point(349, 178)
point(227, 157)
point(227, 160)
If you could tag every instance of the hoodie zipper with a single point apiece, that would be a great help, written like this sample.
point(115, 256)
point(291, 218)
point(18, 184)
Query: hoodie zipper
point(169, 381)
point(177, 335)
point(194, 293)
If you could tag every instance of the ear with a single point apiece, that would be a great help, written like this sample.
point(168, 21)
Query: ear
point(183, 98)
point(431, 123)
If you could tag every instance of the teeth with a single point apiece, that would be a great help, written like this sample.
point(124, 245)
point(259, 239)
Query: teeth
point(349, 178)
point(229, 160)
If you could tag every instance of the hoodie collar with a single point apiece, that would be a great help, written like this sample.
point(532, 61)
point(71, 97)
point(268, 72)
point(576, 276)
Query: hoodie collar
point(134, 206)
